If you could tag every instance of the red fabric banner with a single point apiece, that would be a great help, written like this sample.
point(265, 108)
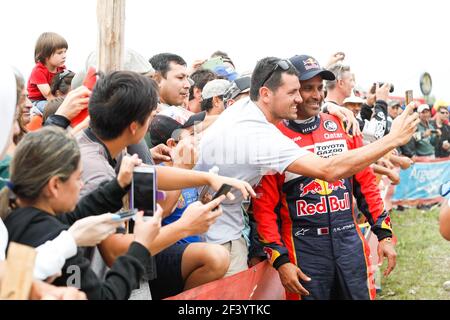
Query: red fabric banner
point(258, 283)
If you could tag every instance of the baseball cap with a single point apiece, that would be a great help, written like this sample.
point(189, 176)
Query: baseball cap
point(226, 71)
point(133, 61)
point(393, 103)
point(215, 88)
point(171, 119)
point(308, 68)
point(353, 99)
point(240, 85)
point(422, 108)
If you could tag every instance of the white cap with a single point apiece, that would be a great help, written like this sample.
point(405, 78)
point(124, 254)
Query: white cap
point(423, 107)
point(215, 88)
point(354, 99)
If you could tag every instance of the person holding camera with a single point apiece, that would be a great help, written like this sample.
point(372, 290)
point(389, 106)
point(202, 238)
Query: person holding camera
point(425, 138)
point(373, 115)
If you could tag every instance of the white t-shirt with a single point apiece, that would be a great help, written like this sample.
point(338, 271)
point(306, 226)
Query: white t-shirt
point(50, 257)
point(245, 146)
point(3, 240)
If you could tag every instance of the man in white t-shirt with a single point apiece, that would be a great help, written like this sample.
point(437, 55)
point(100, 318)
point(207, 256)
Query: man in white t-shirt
point(245, 144)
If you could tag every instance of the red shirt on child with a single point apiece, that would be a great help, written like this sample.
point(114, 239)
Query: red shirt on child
point(40, 75)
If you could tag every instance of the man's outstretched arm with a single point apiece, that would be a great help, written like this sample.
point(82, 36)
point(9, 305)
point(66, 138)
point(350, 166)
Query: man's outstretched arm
point(349, 163)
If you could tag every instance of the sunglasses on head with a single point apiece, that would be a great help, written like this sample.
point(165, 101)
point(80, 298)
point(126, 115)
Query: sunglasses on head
point(282, 64)
point(62, 75)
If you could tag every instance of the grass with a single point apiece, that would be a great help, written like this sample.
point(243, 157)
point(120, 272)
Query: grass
point(423, 258)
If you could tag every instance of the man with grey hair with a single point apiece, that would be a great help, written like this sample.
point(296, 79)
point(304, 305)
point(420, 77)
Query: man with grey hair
point(342, 86)
point(373, 115)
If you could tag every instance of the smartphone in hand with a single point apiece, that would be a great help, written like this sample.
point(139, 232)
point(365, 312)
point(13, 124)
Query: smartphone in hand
point(143, 190)
point(408, 97)
point(125, 215)
point(224, 189)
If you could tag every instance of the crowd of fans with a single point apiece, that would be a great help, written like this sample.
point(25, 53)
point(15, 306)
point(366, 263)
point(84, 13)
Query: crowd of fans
point(313, 147)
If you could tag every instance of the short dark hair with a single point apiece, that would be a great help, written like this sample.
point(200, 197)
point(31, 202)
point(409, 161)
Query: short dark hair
point(51, 108)
point(207, 104)
point(161, 62)
point(62, 81)
point(118, 99)
point(200, 77)
point(260, 73)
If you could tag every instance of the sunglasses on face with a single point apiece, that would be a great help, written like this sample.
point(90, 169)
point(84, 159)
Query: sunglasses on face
point(443, 112)
point(282, 64)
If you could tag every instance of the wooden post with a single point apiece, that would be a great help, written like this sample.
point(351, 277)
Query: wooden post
point(18, 276)
point(111, 35)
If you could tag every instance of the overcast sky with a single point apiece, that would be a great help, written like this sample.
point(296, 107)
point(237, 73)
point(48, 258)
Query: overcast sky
point(384, 40)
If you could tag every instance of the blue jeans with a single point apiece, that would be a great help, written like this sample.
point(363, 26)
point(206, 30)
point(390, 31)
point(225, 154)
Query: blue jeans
point(40, 105)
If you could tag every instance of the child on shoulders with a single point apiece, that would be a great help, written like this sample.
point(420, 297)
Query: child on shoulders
point(50, 57)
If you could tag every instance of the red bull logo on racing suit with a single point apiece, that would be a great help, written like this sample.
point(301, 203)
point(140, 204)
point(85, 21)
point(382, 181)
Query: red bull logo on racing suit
point(321, 187)
point(326, 204)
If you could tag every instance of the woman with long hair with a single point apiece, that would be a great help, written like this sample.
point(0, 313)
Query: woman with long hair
point(41, 201)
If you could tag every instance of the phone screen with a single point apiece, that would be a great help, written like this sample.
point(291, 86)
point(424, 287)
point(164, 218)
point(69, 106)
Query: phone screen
point(143, 192)
point(224, 189)
point(408, 97)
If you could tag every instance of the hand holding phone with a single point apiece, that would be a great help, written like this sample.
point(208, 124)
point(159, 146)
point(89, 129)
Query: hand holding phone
point(408, 97)
point(125, 175)
point(125, 215)
point(224, 189)
point(143, 190)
